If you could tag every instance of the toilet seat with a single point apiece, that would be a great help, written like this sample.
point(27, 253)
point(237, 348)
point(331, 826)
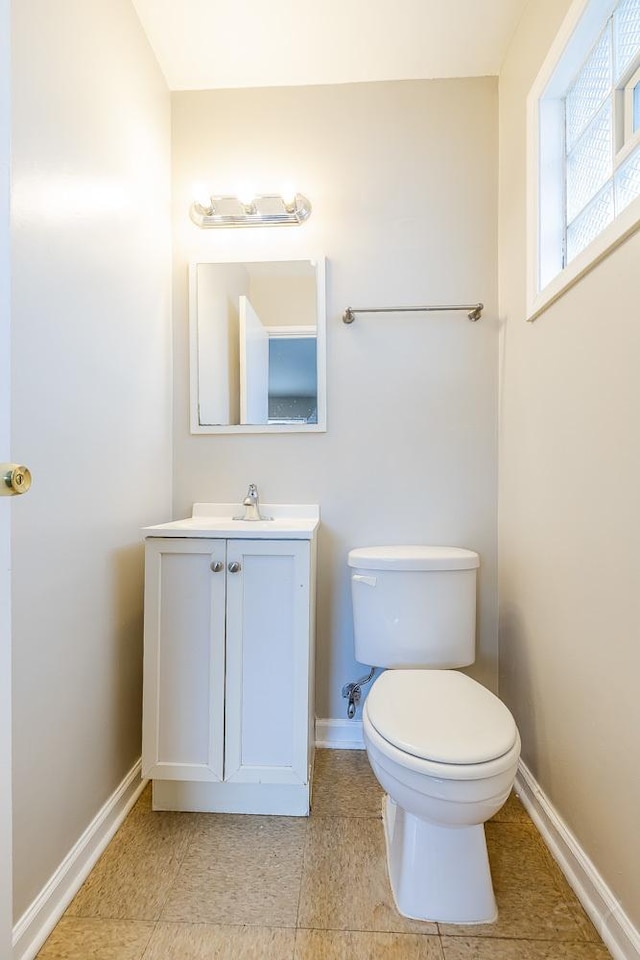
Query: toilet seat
point(440, 717)
point(438, 771)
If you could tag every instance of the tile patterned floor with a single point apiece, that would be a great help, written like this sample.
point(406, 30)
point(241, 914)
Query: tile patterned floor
point(174, 886)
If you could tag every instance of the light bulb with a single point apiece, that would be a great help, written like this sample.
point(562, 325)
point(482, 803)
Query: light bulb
point(201, 195)
point(288, 194)
point(246, 195)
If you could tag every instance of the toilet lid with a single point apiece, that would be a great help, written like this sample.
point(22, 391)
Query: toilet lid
point(440, 715)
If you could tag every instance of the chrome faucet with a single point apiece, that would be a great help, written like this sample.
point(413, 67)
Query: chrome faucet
point(252, 506)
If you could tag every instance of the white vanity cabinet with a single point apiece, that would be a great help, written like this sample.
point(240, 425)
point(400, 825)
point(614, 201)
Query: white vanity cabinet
point(228, 672)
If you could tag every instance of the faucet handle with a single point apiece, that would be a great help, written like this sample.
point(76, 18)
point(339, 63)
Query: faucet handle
point(252, 495)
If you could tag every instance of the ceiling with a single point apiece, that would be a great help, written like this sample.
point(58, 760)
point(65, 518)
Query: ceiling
point(204, 44)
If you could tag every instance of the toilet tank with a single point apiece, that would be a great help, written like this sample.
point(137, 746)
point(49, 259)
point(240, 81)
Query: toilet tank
point(414, 606)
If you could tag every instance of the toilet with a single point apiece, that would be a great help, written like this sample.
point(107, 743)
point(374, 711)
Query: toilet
point(443, 747)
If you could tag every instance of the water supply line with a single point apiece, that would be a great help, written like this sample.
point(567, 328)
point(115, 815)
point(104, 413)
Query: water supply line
point(352, 692)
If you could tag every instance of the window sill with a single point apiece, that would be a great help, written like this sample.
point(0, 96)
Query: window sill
point(623, 227)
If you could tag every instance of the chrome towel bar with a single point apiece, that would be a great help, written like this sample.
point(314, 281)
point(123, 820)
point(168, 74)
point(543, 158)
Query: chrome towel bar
point(474, 310)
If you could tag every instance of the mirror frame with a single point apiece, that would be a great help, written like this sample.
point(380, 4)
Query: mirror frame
point(321, 347)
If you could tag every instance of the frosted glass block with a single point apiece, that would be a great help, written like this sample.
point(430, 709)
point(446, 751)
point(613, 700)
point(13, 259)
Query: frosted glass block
point(627, 181)
point(626, 34)
point(590, 163)
point(591, 222)
point(590, 87)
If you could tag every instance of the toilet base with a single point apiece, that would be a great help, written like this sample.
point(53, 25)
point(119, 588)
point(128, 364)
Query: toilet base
point(438, 873)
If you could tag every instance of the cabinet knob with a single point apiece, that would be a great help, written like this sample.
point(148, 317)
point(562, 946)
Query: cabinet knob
point(217, 566)
point(234, 567)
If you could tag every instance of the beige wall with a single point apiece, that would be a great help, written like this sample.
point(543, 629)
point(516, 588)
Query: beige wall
point(403, 182)
point(569, 517)
point(91, 406)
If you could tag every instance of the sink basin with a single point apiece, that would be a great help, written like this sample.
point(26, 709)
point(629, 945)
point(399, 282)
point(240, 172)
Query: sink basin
point(290, 522)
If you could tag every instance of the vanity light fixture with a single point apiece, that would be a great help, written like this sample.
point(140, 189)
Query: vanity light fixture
point(263, 210)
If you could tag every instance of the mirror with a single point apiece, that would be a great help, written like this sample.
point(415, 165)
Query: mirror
point(257, 335)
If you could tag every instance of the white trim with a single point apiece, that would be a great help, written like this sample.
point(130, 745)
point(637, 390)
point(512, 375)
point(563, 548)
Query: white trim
point(620, 936)
point(5, 502)
point(623, 227)
point(630, 138)
point(262, 428)
point(194, 372)
point(294, 331)
point(578, 33)
point(339, 734)
point(37, 922)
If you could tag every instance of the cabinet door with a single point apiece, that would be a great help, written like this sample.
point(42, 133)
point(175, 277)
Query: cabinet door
point(267, 681)
point(183, 703)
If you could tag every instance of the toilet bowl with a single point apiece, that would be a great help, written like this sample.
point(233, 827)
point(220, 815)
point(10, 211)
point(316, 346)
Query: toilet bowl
point(445, 750)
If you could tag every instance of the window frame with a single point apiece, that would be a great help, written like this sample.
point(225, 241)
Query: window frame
point(627, 108)
point(548, 278)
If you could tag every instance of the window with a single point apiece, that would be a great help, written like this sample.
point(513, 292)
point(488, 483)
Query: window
point(584, 117)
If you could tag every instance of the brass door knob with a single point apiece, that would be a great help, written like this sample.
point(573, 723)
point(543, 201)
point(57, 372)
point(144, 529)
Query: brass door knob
point(15, 479)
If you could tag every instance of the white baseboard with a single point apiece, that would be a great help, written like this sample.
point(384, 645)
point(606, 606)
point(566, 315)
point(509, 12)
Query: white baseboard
point(37, 922)
point(620, 936)
point(339, 734)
